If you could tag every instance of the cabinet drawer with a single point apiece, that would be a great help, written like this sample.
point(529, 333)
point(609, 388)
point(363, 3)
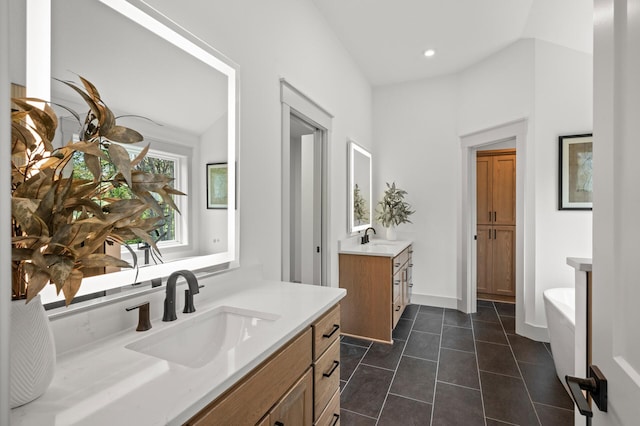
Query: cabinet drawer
point(325, 331)
point(326, 377)
point(251, 398)
point(401, 259)
point(331, 415)
point(397, 310)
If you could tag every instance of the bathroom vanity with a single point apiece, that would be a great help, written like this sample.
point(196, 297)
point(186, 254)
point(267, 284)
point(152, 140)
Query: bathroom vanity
point(254, 351)
point(378, 280)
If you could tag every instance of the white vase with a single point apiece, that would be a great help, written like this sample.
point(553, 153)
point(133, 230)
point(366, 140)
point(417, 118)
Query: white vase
point(391, 233)
point(33, 352)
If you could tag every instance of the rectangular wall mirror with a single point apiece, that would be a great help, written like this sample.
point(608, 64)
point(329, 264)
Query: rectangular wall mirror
point(359, 208)
point(146, 65)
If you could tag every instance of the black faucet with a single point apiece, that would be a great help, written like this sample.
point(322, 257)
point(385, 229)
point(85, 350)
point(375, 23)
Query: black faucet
point(365, 237)
point(170, 298)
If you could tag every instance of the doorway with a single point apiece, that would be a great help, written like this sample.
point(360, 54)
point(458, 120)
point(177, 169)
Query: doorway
point(305, 188)
point(525, 230)
point(496, 223)
point(305, 201)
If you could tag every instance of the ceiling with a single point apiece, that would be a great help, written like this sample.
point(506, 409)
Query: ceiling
point(387, 38)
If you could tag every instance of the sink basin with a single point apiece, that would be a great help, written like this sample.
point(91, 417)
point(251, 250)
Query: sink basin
point(383, 243)
point(384, 246)
point(197, 341)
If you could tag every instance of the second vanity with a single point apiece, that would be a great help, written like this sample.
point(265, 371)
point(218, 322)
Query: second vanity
point(378, 280)
point(283, 364)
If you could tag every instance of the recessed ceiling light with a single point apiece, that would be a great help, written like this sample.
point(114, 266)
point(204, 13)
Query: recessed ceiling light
point(429, 53)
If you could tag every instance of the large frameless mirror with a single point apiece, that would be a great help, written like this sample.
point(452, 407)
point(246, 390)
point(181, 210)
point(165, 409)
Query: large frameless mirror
point(359, 187)
point(181, 95)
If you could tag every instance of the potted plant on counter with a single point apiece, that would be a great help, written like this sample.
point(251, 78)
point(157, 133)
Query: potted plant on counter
point(60, 221)
point(393, 210)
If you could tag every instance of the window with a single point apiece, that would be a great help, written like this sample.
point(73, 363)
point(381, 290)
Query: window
point(169, 164)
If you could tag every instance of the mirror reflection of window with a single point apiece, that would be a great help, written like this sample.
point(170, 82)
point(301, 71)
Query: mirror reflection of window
point(155, 162)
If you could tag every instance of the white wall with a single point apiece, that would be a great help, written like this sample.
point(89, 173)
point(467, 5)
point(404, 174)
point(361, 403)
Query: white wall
point(417, 127)
point(211, 235)
point(268, 45)
point(415, 145)
point(563, 106)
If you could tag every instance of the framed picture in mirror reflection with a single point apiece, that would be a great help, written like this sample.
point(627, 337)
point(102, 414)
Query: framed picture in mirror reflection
point(217, 178)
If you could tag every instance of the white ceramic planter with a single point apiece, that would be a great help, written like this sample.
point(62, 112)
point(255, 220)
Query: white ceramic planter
point(391, 233)
point(33, 353)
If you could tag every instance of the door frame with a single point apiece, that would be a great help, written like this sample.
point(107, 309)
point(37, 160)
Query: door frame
point(525, 231)
point(297, 103)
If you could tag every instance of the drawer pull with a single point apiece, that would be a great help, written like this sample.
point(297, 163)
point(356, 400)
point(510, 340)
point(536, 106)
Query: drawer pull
point(397, 308)
point(336, 419)
point(336, 364)
point(278, 424)
point(396, 282)
point(336, 327)
point(396, 264)
point(411, 265)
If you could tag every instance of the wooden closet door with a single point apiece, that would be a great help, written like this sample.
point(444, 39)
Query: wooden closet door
point(504, 189)
point(484, 191)
point(485, 258)
point(503, 261)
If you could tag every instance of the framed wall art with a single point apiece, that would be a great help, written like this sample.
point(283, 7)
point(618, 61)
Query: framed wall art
point(575, 187)
point(217, 189)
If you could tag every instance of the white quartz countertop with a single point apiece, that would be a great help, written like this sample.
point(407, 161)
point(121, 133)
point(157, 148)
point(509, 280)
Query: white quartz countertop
point(375, 247)
point(580, 263)
point(107, 384)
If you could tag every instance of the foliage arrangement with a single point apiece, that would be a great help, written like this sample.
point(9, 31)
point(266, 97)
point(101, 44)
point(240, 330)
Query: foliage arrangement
point(360, 211)
point(60, 220)
point(392, 210)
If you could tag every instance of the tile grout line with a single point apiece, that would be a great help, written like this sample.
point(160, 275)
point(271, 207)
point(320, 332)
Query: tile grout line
point(356, 367)
point(554, 406)
point(409, 398)
point(363, 415)
point(396, 369)
point(526, 388)
point(473, 335)
point(458, 386)
point(435, 384)
point(502, 421)
point(376, 366)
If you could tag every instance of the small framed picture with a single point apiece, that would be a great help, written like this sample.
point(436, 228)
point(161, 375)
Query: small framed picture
point(217, 177)
point(575, 190)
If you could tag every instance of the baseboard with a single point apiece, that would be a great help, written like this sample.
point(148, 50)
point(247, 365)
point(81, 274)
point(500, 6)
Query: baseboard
point(437, 301)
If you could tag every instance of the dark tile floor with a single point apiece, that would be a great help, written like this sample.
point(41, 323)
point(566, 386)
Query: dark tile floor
point(449, 368)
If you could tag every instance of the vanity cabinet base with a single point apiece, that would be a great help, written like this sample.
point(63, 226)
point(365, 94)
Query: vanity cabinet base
point(295, 386)
point(378, 290)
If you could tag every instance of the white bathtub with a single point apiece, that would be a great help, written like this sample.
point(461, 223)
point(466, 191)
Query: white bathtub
point(559, 306)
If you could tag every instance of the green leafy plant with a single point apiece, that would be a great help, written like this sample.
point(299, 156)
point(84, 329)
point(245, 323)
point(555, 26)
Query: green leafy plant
point(392, 210)
point(60, 220)
point(360, 210)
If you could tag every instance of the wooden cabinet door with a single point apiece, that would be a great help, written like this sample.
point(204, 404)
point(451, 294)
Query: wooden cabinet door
point(503, 259)
point(485, 258)
point(296, 407)
point(503, 189)
point(406, 282)
point(484, 208)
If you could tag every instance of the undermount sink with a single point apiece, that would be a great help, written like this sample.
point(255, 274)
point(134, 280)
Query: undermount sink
point(199, 340)
point(383, 243)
